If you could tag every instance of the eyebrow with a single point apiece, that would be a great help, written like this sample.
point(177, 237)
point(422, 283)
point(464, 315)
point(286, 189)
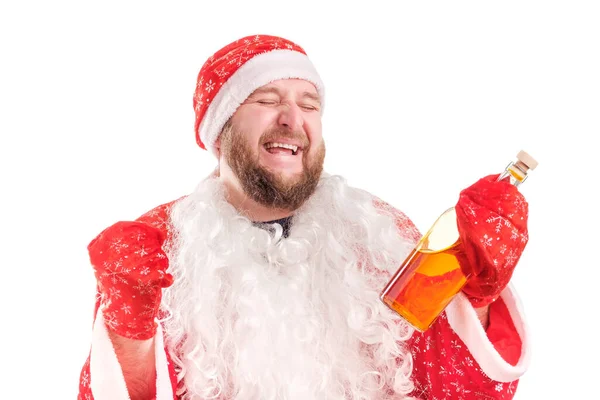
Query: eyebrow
point(310, 95)
point(265, 90)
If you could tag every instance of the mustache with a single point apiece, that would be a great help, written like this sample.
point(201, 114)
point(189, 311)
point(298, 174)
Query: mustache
point(274, 134)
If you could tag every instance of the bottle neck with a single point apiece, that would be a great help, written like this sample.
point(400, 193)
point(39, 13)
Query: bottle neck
point(515, 173)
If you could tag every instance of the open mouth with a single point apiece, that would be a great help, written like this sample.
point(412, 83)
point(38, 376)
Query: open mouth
point(282, 148)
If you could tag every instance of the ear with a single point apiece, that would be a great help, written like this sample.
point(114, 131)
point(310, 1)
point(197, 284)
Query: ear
point(217, 146)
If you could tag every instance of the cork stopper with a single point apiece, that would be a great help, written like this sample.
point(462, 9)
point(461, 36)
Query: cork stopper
point(526, 159)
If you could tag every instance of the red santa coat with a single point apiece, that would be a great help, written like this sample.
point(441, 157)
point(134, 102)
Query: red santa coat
point(455, 359)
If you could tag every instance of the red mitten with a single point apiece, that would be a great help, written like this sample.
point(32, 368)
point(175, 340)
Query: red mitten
point(130, 268)
point(492, 223)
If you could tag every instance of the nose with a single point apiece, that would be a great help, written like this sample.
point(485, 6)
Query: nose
point(291, 117)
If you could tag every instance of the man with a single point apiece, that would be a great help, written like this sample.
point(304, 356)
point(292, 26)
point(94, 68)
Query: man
point(264, 282)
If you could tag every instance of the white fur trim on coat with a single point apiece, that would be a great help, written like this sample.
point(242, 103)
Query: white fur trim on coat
point(464, 321)
point(107, 381)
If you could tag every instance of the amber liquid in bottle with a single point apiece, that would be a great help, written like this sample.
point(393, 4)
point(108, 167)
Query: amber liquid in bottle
point(431, 275)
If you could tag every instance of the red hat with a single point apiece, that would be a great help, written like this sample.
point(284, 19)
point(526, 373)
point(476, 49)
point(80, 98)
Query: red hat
point(238, 69)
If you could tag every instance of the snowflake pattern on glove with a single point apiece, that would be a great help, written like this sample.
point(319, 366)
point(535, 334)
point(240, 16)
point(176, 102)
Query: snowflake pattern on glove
point(492, 221)
point(130, 268)
point(443, 367)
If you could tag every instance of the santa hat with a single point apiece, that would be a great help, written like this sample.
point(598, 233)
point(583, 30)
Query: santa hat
point(238, 69)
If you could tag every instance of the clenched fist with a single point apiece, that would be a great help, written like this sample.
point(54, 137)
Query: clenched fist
point(131, 271)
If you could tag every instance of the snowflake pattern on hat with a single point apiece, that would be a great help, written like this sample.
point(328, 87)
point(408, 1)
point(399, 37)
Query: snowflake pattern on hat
point(229, 76)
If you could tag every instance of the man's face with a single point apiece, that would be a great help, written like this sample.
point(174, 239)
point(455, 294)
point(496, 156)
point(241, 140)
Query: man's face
point(274, 144)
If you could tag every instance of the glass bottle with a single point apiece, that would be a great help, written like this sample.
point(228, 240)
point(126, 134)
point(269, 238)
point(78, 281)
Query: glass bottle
point(431, 276)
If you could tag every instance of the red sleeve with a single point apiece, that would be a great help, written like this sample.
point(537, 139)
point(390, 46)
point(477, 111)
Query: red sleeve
point(444, 367)
point(502, 333)
point(85, 389)
point(172, 375)
point(158, 218)
point(85, 376)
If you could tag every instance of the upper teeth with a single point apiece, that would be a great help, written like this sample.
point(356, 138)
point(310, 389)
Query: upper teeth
point(284, 145)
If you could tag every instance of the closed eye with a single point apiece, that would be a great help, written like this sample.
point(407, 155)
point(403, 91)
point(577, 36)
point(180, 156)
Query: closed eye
point(267, 102)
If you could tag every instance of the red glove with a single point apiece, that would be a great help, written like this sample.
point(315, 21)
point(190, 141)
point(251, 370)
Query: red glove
point(492, 223)
point(130, 268)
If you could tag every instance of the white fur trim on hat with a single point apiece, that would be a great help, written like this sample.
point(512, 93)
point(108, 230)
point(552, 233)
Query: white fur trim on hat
point(256, 72)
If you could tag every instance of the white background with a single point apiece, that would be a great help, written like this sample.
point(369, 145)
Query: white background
point(422, 100)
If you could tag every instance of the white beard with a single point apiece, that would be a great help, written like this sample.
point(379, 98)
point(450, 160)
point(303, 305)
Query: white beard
point(253, 315)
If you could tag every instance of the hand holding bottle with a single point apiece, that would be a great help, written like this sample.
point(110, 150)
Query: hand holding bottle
point(130, 268)
point(473, 246)
point(491, 216)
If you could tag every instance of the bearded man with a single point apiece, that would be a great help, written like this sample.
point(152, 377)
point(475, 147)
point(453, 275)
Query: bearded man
point(265, 282)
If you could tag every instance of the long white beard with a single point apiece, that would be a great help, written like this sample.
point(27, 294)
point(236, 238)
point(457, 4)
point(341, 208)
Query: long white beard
point(253, 315)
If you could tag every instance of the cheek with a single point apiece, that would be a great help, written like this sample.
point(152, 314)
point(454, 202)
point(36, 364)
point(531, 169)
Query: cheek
point(250, 127)
point(254, 122)
point(314, 131)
